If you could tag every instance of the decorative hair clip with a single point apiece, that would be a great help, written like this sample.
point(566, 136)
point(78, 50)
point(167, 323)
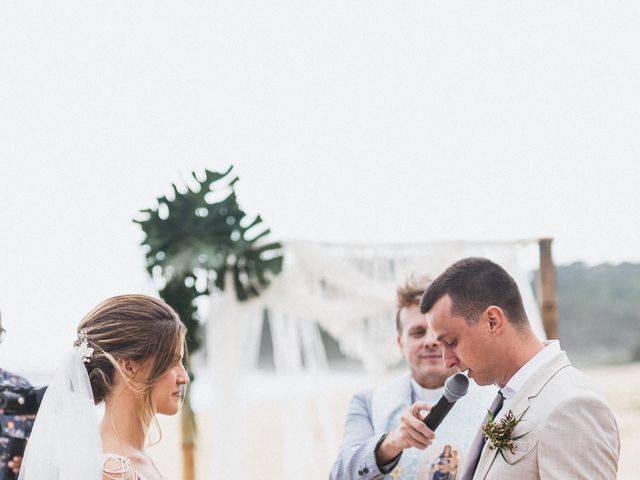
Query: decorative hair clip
point(83, 347)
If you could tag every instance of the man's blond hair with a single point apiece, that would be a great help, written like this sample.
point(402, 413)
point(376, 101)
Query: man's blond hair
point(410, 293)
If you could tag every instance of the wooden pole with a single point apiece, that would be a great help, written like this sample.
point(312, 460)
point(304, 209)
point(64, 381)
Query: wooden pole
point(547, 297)
point(188, 440)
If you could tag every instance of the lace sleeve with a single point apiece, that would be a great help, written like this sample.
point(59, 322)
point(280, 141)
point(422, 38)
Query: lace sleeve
point(117, 467)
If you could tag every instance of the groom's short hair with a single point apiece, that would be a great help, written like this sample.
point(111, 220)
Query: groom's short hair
point(473, 284)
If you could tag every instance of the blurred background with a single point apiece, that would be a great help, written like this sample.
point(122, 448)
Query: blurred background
point(355, 126)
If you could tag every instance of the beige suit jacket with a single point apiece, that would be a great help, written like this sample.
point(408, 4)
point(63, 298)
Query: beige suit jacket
point(569, 432)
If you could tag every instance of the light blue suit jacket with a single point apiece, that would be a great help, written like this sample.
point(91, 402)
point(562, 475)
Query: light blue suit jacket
point(356, 459)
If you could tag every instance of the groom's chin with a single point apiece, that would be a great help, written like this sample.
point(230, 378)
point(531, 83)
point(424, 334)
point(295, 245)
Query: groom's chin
point(479, 381)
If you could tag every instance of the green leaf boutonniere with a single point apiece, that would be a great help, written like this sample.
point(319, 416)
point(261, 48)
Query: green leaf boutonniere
point(500, 434)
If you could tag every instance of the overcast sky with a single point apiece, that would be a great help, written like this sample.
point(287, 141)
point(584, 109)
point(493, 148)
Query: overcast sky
point(367, 121)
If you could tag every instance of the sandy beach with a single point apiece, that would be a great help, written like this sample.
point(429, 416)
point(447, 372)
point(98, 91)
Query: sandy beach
point(622, 392)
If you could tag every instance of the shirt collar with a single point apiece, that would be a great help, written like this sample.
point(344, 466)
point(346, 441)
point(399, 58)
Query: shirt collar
point(425, 394)
point(550, 350)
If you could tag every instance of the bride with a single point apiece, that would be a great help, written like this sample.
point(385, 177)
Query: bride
point(128, 355)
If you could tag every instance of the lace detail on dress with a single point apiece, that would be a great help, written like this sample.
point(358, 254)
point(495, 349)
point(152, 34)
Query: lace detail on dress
point(117, 467)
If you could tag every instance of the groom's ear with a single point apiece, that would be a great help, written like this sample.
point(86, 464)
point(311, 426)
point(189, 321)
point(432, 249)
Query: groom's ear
point(495, 318)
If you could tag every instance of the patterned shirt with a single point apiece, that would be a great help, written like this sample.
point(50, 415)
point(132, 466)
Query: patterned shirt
point(13, 425)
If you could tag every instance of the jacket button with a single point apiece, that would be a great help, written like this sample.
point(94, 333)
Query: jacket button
point(365, 470)
point(360, 472)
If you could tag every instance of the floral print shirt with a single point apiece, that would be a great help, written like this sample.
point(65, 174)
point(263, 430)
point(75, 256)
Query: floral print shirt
point(17, 426)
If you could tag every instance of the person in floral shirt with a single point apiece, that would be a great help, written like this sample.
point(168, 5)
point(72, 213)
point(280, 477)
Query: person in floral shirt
point(17, 426)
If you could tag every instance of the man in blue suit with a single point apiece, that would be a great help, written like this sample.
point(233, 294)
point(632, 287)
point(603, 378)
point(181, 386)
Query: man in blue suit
point(384, 433)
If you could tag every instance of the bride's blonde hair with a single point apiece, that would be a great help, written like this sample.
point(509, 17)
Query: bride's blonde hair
point(135, 328)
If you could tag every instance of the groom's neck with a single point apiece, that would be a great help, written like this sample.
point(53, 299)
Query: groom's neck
point(519, 349)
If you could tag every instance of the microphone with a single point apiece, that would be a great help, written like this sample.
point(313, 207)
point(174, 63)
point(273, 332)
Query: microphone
point(455, 388)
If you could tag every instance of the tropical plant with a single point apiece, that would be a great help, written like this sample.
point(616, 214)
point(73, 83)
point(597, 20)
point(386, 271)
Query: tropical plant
point(196, 238)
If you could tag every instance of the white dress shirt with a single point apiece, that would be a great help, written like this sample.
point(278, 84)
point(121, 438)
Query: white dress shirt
point(426, 394)
point(550, 350)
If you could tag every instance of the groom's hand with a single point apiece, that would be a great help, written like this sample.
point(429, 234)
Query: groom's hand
point(412, 432)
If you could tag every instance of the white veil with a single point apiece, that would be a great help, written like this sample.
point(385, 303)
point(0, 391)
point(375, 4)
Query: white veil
point(65, 442)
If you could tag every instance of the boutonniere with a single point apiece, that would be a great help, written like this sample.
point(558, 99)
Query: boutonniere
point(500, 434)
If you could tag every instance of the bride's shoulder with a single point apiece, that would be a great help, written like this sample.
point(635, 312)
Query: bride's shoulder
point(118, 467)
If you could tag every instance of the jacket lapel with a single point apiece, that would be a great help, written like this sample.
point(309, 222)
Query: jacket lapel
point(487, 458)
point(534, 385)
point(521, 403)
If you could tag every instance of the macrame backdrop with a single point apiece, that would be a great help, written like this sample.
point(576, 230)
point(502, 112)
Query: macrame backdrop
point(287, 424)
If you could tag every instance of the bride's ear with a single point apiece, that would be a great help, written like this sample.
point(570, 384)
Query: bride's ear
point(129, 367)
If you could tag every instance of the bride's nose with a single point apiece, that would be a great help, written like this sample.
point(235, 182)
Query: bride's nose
point(183, 377)
point(182, 380)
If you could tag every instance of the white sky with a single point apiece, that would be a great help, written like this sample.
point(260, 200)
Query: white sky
point(347, 120)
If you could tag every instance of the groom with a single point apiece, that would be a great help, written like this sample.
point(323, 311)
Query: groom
point(565, 428)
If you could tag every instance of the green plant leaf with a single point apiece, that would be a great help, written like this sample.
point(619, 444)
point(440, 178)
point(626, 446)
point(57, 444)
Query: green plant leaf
point(197, 234)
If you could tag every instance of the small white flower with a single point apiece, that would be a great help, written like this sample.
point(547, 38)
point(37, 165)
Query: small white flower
point(85, 352)
point(83, 347)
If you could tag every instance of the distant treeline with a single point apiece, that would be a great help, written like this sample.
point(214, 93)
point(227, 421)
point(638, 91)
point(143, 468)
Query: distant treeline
point(600, 312)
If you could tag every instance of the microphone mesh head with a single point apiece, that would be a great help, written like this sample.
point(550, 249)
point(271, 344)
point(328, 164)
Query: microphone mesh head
point(456, 387)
